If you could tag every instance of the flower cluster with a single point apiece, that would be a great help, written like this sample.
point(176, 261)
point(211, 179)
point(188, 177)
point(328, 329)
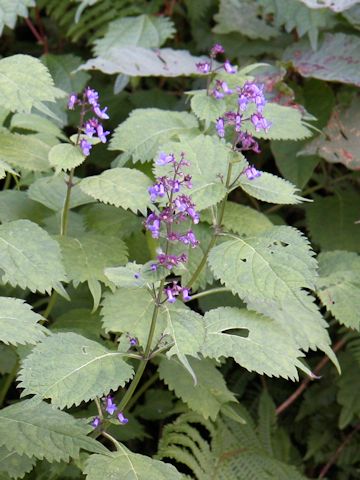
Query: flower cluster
point(177, 208)
point(207, 67)
point(110, 407)
point(91, 127)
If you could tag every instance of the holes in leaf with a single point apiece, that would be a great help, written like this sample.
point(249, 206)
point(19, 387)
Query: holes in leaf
point(237, 332)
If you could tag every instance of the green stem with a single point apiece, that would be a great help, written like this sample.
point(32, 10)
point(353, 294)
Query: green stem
point(140, 370)
point(142, 390)
point(65, 212)
point(8, 382)
point(51, 304)
point(210, 292)
point(7, 181)
point(99, 409)
point(112, 440)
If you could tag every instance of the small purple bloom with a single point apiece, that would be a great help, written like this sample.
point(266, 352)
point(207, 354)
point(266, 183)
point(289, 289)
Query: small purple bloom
point(189, 239)
point(237, 122)
point(101, 134)
point(137, 275)
point(217, 94)
point(96, 422)
point(157, 190)
point(122, 419)
point(73, 99)
point(252, 173)
point(133, 341)
point(90, 126)
point(164, 159)
point(185, 294)
point(225, 88)
point(92, 96)
point(260, 122)
point(101, 113)
point(248, 142)
point(153, 267)
point(170, 296)
point(216, 49)
point(203, 67)
point(220, 127)
point(152, 224)
point(85, 147)
point(110, 405)
point(228, 67)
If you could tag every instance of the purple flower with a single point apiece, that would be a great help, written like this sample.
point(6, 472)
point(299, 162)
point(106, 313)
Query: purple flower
point(96, 422)
point(228, 67)
point(203, 67)
point(185, 294)
point(251, 93)
point(216, 49)
point(90, 126)
point(220, 127)
point(252, 173)
point(237, 122)
point(189, 239)
point(157, 190)
point(85, 147)
point(248, 142)
point(122, 419)
point(260, 122)
point(101, 113)
point(152, 224)
point(92, 96)
point(171, 261)
point(164, 159)
point(170, 296)
point(101, 134)
point(110, 406)
point(133, 341)
point(73, 99)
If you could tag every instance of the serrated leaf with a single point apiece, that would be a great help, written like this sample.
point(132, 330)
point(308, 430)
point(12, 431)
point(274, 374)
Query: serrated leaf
point(336, 6)
point(15, 465)
point(25, 83)
point(81, 370)
point(242, 16)
point(145, 129)
point(5, 168)
point(337, 59)
point(241, 219)
point(110, 220)
point(51, 192)
point(139, 61)
point(86, 257)
point(26, 152)
point(206, 107)
point(338, 286)
point(209, 159)
point(339, 142)
point(11, 9)
point(29, 257)
point(122, 187)
point(332, 221)
point(210, 393)
point(18, 323)
point(35, 123)
point(255, 342)
point(143, 30)
point(270, 188)
point(37, 429)
point(65, 157)
point(287, 124)
point(130, 310)
point(129, 465)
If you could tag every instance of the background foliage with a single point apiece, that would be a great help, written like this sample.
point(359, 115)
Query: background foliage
point(258, 380)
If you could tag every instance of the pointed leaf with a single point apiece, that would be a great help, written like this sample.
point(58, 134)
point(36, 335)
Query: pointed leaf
point(81, 370)
point(13, 464)
point(5, 168)
point(121, 187)
point(29, 257)
point(10, 10)
point(65, 157)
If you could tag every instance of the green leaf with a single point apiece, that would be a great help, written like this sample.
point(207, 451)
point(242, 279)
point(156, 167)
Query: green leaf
point(241, 219)
point(51, 192)
point(129, 310)
point(338, 6)
point(39, 430)
point(206, 107)
point(10, 10)
point(8, 359)
point(209, 159)
point(339, 142)
point(254, 341)
point(210, 393)
point(139, 61)
point(81, 321)
point(242, 16)
point(294, 168)
point(287, 124)
point(5, 168)
point(348, 395)
point(25, 83)
point(134, 275)
point(26, 152)
point(30, 258)
point(81, 370)
point(65, 157)
point(331, 221)
point(35, 123)
point(15, 205)
point(15, 465)
point(270, 188)
point(143, 30)
point(337, 58)
point(122, 187)
point(64, 71)
point(18, 323)
point(129, 465)
point(338, 286)
point(109, 220)
point(145, 129)
point(86, 257)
